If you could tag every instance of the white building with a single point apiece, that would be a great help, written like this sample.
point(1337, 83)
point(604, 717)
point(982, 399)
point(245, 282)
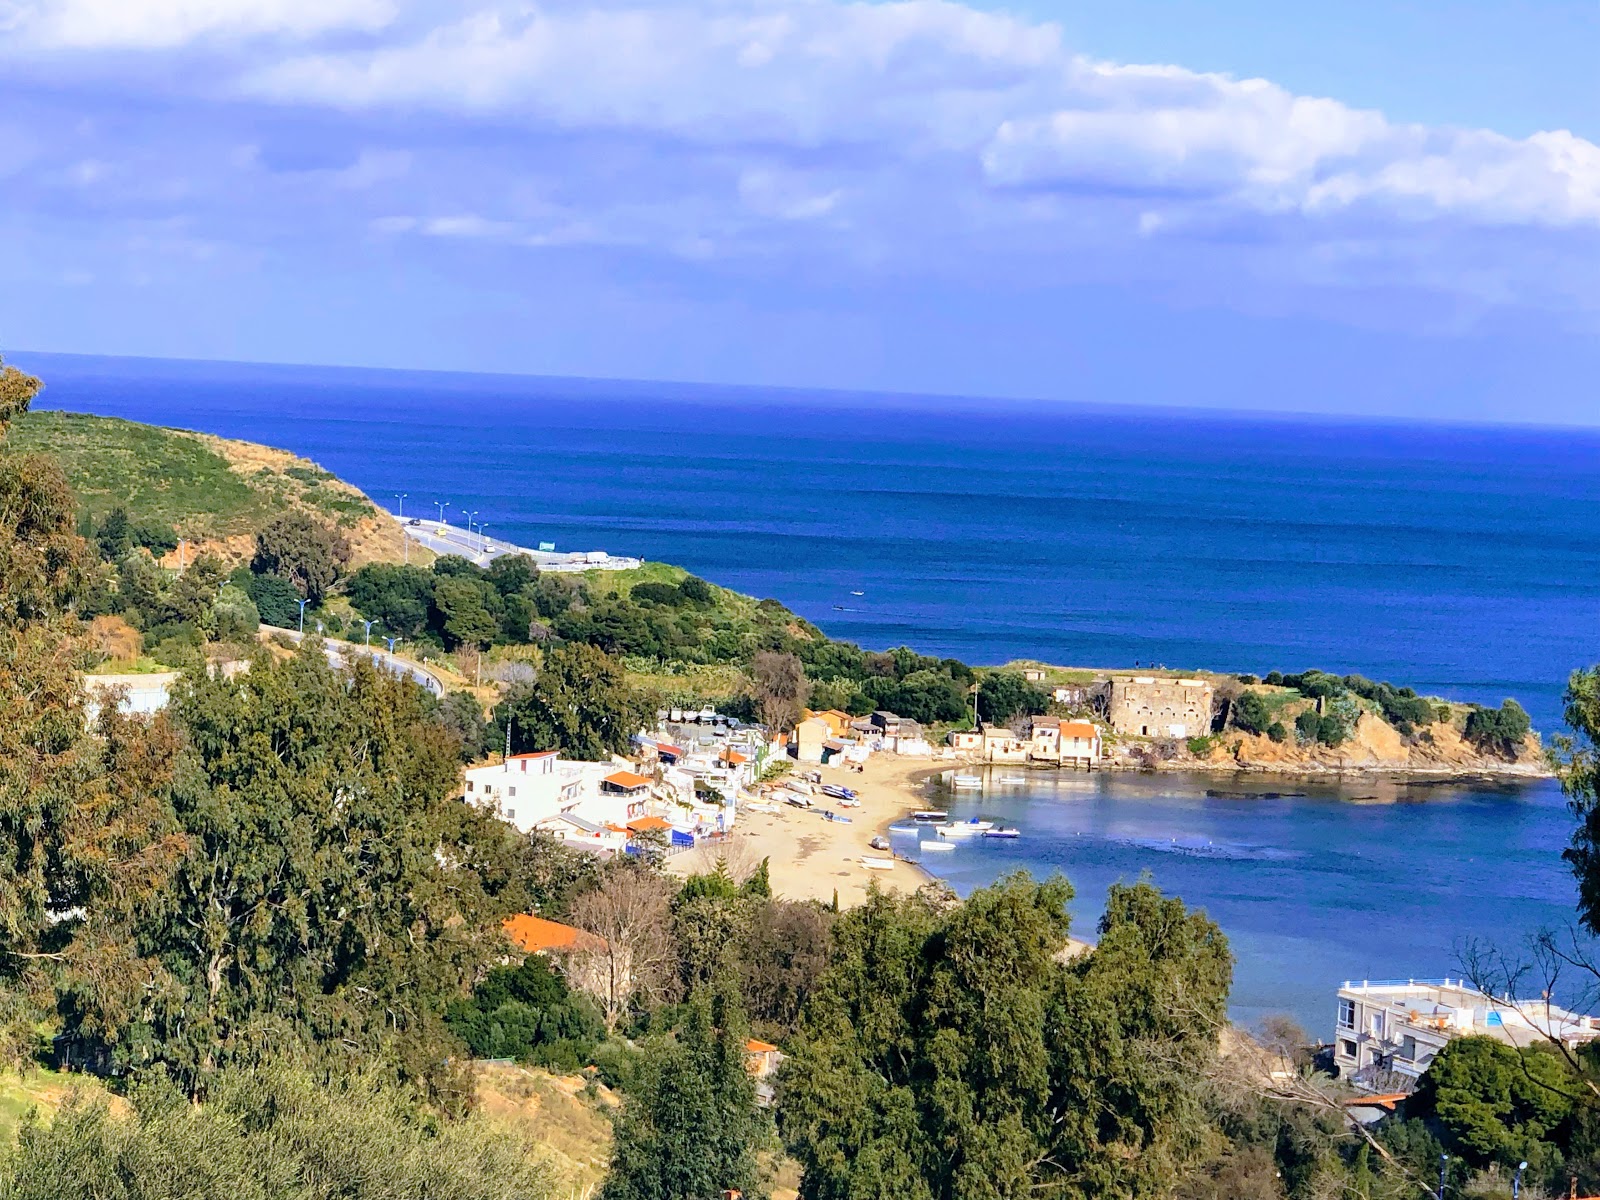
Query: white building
point(527, 789)
point(136, 693)
point(1386, 1032)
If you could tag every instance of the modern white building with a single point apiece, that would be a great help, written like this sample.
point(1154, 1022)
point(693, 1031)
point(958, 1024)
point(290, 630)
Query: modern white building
point(527, 789)
point(1387, 1031)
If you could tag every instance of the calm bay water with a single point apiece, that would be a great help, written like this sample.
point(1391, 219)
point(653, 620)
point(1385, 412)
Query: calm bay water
point(1463, 561)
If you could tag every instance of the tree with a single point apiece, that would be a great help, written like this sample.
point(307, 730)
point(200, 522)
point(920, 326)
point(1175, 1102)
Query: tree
point(1004, 696)
point(1495, 1103)
point(1250, 713)
point(398, 597)
point(690, 1128)
point(528, 1013)
point(1499, 730)
point(629, 914)
point(330, 886)
point(303, 550)
point(236, 616)
point(276, 600)
point(44, 564)
point(464, 615)
point(1579, 767)
point(778, 687)
point(948, 1052)
point(580, 703)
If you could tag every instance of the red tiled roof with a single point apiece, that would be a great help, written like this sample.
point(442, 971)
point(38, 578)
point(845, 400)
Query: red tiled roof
point(669, 748)
point(1082, 729)
point(733, 757)
point(535, 754)
point(627, 779)
point(645, 824)
point(536, 935)
point(752, 1046)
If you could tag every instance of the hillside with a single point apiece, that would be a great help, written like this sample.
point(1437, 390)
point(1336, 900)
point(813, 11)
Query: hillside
point(214, 491)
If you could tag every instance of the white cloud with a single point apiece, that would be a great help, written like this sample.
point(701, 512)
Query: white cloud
point(918, 79)
point(163, 24)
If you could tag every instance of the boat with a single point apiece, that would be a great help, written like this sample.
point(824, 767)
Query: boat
point(966, 783)
point(796, 799)
point(847, 803)
point(838, 791)
point(763, 808)
point(879, 843)
point(1012, 780)
point(829, 815)
point(1002, 832)
point(874, 863)
point(928, 816)
point(970, 828)
point(904, 828)
point(858, 593)
point(936, 846)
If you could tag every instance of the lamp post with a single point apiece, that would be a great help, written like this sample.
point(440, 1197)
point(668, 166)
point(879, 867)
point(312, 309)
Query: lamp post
point(369, 625)
point(392, 641)
point(401, 497)
point(483, 538)
point(441, 504)
point(1516, 1180)
point(1444, 1163)
point(303, 604)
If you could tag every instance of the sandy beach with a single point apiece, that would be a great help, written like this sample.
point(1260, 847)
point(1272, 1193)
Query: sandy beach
point(811, 858)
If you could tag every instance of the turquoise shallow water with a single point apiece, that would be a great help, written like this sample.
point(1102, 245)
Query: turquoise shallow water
point(1463, 561)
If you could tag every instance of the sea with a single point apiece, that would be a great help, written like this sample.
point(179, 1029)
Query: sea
point(1461, 560)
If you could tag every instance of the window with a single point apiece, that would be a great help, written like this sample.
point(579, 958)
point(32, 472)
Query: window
point(1376, 1022)
point(469, 785)
point(1347, 1048)
point(1347, 1014)
point(1408, 1048)
point(511, 791)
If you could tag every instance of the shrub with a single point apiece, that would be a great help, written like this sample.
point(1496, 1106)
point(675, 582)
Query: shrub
point(1200, 747)
point(1277, 732)
point(528, 1013)
point(1500, 730)
point(1250, 713)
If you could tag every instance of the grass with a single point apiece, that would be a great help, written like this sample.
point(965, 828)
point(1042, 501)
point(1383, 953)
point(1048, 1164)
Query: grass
point(37, 1089)
point(204, 487)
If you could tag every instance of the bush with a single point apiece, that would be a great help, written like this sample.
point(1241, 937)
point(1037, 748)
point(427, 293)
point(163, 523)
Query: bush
point(275, 598)
point(528, 1013)
point(1277, 732)
point(1200, 747)
point(1498, 730)
point(1250, 713)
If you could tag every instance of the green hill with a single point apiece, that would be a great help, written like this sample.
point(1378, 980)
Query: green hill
point(212, 490)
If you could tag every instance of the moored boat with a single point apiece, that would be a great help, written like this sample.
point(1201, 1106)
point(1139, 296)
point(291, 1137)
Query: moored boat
point(929, 816)
point(969, 828)
point(936, 846)
point(1002, 832)
point(966, 783)
point(904, 828)
point(874, 863)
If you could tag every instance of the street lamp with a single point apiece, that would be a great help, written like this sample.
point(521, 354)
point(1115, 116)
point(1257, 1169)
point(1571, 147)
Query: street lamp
point(303, 604)
point(392, 641)
point(1516, 1180)
point(483, 538)
point(1444, 1162)
point(441, 504)
point(401, 497)
point(369, 625)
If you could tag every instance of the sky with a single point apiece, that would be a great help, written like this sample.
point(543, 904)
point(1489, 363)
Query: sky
point(1364, 208)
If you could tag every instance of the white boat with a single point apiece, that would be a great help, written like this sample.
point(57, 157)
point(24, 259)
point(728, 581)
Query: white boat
point(936, 846)
point(874, 863)
point(1012, 780)
point(1002, 833)
point(795, 799)
point(928, 816)
point(966, 783)
point(846, 802)
point(958, 829)
point(904, 828)
point(763, 808)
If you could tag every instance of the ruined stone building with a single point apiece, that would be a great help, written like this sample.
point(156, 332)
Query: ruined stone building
point(1145, 706)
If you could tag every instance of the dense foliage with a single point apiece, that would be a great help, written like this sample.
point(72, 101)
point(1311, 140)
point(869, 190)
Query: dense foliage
point(1498, 730)
point(528, 1013)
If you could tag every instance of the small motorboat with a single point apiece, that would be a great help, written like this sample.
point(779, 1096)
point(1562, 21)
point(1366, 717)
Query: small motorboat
point(874, 863)
point(796, 799)
point(1002, 832)
point(763, 808)
point(930, 816)
point(904, 828)
point(958, 829)
point(858, 593)
point(1012, 780)
point(936, 846)
point(838, 791)
point(966, 783)
point(879, 843)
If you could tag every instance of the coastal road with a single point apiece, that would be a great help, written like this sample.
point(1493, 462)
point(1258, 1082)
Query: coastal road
point(447, 539)
point(340, 652)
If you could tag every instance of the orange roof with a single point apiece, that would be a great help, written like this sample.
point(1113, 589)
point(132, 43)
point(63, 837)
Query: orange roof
point(734, 757)
point(627, 779)
point(669, 748)
point(1082, 729)
point(1388, 1100)
point(644, 824)
point(752, 1046)
point(537, 935)
point(533, 754)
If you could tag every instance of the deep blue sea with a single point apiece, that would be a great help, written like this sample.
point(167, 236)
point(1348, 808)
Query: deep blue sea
point(1464, 561)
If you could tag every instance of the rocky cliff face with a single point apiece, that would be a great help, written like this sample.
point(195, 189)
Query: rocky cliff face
point(1375, 746)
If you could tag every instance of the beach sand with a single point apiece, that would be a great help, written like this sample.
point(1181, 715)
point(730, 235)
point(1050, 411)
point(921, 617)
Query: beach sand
point(810, 858)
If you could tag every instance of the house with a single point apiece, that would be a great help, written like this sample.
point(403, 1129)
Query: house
point(863, 729)
point(1080, 743)
point(526, 789)
point(838, 722)
point(1002, 745)
point(136, 693)
point(536, 935)
point(967, 741)
point(1050, 739)
point(761, 1060)
point(584, 834)
point(1144, 706)
point(1072, 694)
point(1033, 674)
point(1386, 1032)
point(810, 736)
point(887, 723)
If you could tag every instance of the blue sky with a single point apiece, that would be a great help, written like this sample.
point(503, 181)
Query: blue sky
point(1365, 208)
